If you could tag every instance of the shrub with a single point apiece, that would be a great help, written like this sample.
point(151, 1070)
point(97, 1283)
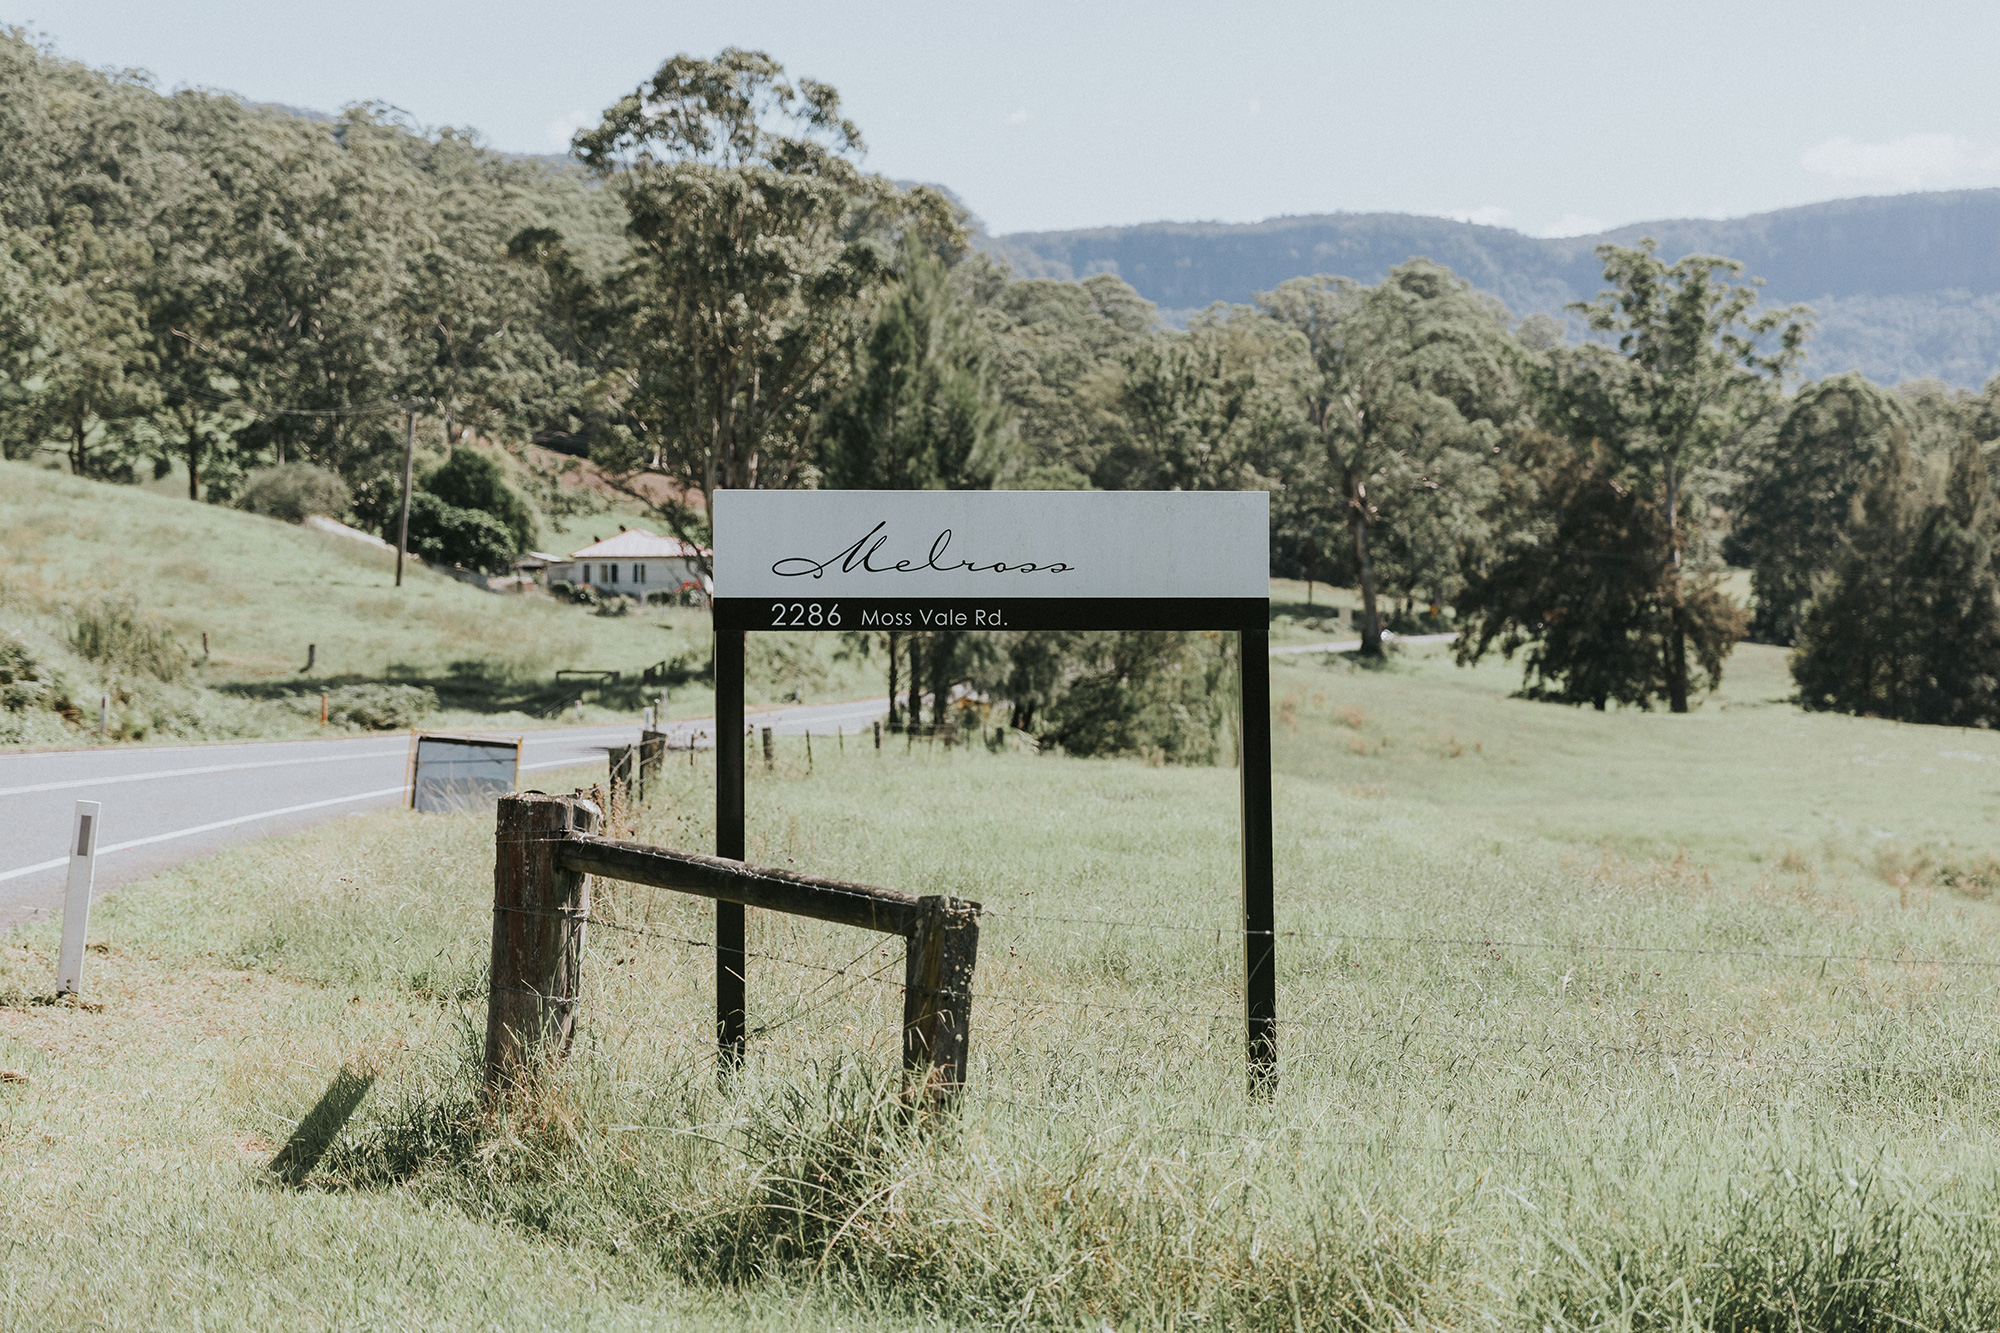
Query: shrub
point(1154, 693)
point(376, 707)
point(26, 683)
point(445, 534)
point(375, 503)
point(114, 633)
point(581, 594)
point(293, 492)
point(470, 479)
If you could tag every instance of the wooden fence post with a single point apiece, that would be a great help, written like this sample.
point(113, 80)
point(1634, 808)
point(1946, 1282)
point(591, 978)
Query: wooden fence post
point(770, 749)
point(937, 996)
point(621, 767)
point(878, 735)
point(652, 757)
point(538, 917)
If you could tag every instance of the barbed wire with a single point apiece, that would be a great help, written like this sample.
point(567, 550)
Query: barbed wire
point(1489, 942)
point(709, 945)
point(1544, 1041)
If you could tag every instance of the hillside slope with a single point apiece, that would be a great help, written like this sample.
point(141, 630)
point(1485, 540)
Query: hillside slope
point(1904, 286)
point(84, 558)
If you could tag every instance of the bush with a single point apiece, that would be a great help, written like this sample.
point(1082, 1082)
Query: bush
point(376, 502)
point(376, 707)
point(470, 479)
point(445, 534)
point(1154, 693)
point(27, 684)
point(293, 492)
point(114, 633)
point(580, 594)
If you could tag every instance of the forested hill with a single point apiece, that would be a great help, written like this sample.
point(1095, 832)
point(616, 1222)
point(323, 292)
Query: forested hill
point(1904, 286)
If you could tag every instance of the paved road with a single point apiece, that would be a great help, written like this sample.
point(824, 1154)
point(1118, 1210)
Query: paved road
point(168, 804)
point(1349, 645)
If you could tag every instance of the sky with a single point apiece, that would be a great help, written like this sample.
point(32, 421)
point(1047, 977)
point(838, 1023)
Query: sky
point(1551, 118)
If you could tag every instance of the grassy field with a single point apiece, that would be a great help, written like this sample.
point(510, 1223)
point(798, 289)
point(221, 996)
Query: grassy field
point(264, 591)
point(1588, 1021)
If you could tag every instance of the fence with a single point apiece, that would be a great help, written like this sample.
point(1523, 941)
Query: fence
point(1152, 1027)
point(546, 846)
point(635, 767)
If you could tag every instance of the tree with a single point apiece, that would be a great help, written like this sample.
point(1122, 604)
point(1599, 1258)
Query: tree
point(1692, 367)
point(1907, 625)
point(1576, 579)
point(90, 362)
point(445, 534)
point(1799, 487)
point(1059, 355)
point(470, 479)
point(1403, 379)
point(920, 411)
point(755, 241)
point(1191, 408)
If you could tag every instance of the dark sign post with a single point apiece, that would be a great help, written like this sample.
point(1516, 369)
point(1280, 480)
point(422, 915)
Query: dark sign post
point(913, 561)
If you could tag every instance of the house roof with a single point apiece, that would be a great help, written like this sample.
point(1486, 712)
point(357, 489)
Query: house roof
point(637, 544)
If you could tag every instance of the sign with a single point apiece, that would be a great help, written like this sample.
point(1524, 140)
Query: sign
point(987, 560)
point(920, 561)
point(449, 774)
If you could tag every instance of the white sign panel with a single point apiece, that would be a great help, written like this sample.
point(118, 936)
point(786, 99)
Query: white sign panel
point(985, 552)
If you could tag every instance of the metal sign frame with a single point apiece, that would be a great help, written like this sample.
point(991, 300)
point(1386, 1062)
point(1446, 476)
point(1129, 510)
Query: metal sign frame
point(1142, 593)
point(414, 778)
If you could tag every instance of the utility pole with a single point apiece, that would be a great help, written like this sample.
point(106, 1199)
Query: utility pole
point(409, 455)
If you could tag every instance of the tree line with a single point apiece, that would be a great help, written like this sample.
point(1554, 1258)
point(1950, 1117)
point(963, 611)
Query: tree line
point(713, 293)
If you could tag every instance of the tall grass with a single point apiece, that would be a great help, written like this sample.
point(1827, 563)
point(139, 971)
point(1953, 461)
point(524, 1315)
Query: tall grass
point(113, 633)
point(1565, 1076)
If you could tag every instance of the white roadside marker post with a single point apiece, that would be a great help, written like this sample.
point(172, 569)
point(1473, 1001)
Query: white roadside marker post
point(646, 715)
point(76, 902)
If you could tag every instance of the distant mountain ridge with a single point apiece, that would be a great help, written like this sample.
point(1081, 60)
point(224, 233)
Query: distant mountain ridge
point(1904, 286)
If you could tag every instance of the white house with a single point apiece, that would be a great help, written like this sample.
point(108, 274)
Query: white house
point(635, 563)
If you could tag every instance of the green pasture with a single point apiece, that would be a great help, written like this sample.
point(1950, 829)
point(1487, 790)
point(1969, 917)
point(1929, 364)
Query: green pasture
point(1602, 1021)
point(263, 591)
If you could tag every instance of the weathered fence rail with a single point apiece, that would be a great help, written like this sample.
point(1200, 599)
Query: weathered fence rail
point(546, 848)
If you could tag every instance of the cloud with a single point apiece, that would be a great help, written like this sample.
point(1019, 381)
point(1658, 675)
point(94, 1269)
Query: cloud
point(561, 130)
point(1913, 162)
point(1487, 215)
point(1020, 117)
point(1255, 107)
point(1574, 224)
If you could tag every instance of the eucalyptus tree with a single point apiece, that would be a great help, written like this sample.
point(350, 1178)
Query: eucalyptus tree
point(329, 224)
point(92, 372)
point(1906, 622)
point(1404, 388)
point(755, 240)
point(1060, 351)
point(1797, 488)
point(1691, 366)
point(1193, 410)
point(920, 410)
